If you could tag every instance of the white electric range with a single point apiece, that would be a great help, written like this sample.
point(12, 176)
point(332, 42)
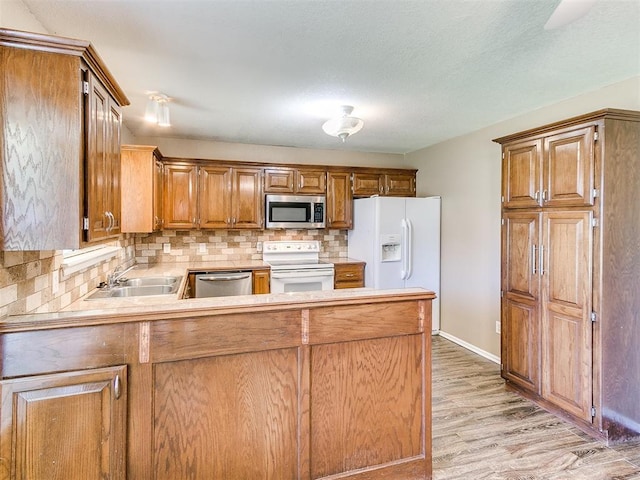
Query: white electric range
point(296, 266)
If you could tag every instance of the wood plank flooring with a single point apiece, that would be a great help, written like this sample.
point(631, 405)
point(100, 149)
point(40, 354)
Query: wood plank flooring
point(483, 431)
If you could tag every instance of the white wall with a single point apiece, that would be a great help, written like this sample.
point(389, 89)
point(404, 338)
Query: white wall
point(173, 147)
point(466, 172)
point(15, 15)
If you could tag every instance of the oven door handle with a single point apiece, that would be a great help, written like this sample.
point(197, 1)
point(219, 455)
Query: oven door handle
point(302, 274)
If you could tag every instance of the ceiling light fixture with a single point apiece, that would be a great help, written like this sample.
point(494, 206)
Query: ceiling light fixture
point(343, 126)
point(157, 110)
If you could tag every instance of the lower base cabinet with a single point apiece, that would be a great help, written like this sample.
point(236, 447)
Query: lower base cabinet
point(274, 391)
point(65, 426)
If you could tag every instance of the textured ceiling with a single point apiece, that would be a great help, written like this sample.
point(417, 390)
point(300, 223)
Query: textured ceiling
point(418, 72)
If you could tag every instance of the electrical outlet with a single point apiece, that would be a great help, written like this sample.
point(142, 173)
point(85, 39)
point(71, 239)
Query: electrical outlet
point(166, 248)
point(498, 327)
point(202, 248)
point(259, 247)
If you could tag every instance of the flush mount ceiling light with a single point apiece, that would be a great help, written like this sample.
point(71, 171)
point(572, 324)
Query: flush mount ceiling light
point(157, 110)
point(343, 126)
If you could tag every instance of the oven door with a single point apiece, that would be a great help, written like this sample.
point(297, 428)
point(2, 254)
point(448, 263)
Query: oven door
point(283, 281)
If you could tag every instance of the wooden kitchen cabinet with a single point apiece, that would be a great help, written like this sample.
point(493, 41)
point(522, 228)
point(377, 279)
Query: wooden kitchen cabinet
point(569, 238)
point(397, 184)
point(339, 200)
point(551, 171)
point(302, 181)
point(179, 193)
point(261, 281)
point(210, 196)
point(61, 188)
point(348, 275)
point(141, 180)
point(65, 426)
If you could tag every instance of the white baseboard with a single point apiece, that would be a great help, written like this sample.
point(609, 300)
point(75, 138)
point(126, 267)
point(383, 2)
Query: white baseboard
point(468, 346)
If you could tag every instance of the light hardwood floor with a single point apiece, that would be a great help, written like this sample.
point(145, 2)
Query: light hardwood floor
point(483, 431)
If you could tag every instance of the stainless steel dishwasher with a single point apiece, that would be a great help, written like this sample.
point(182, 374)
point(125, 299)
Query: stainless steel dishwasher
point(223, 284)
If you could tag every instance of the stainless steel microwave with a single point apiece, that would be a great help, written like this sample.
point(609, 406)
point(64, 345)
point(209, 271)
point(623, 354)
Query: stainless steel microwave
point(295, 211)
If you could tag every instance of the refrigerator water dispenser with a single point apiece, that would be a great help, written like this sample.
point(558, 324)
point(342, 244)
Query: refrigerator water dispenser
point(390, 250)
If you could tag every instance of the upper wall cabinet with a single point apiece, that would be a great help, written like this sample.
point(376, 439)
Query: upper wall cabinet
point(392, 184)
point(289, 180)
point(60, 143)
point(211, 195)
point(556, 170)
point(141, 180)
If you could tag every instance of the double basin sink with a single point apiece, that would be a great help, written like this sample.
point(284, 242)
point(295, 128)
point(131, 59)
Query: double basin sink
point(139, 287)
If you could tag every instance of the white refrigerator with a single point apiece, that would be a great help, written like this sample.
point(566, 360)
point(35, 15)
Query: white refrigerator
point(399, 239)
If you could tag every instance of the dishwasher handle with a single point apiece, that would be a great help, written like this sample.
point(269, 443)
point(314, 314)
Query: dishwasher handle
point(224, 278)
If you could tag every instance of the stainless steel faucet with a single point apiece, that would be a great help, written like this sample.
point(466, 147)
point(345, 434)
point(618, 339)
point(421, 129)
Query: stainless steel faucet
point(117, 274)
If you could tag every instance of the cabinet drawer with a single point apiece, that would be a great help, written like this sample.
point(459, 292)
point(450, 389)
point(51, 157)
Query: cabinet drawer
point(349, 275)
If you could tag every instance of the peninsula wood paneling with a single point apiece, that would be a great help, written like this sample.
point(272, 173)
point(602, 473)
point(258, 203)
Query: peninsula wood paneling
point(233, 416)
point(224, 334)
point(30, 353)
point(348, 434)
point(336, 324)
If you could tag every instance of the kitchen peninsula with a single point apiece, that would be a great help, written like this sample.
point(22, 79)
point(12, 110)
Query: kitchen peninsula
point(331, 384)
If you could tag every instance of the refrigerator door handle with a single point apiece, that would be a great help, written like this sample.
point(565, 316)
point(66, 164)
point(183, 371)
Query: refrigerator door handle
point(409, 254)
point(404, 253)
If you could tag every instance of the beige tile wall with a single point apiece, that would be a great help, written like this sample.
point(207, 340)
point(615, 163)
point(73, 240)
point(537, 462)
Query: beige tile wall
point(228, 244)
point(33, 282)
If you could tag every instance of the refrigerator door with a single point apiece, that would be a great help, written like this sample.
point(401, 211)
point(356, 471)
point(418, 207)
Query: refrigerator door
point(389, 254)
point(423, 214)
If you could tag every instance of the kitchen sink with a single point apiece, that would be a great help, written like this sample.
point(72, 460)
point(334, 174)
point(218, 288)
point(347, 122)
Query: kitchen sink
point(139, 287)
point(148, 281)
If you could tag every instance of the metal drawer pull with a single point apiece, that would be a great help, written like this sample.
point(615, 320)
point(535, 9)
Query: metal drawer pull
point(225, 278)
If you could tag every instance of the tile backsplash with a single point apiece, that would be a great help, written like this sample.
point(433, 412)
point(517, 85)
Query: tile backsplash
point(34, 282)
point(214, 245)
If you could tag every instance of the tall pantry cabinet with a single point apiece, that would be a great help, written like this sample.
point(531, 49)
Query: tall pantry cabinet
point(571, 269)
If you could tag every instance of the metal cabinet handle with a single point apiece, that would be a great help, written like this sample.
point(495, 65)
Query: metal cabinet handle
point(117, 387)
point(536, 195)
point(534, 260)
point(544, 195)
point(541, 259)
point(349, 275)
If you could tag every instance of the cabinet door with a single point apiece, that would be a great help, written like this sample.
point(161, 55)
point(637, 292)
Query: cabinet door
point(158, 217)
point(311, 182)
point(214, 197)
point(367, 184)
point(261, 281)
point(247, 199)
point(279, 180)
point(66, 426)
point(112, 180)
point(521, 174)
point(339, 200)
point(568, 168)
point(179, 203)
point(520, 301)
point(97, 161)
point(566, 269)
point(400, 185)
